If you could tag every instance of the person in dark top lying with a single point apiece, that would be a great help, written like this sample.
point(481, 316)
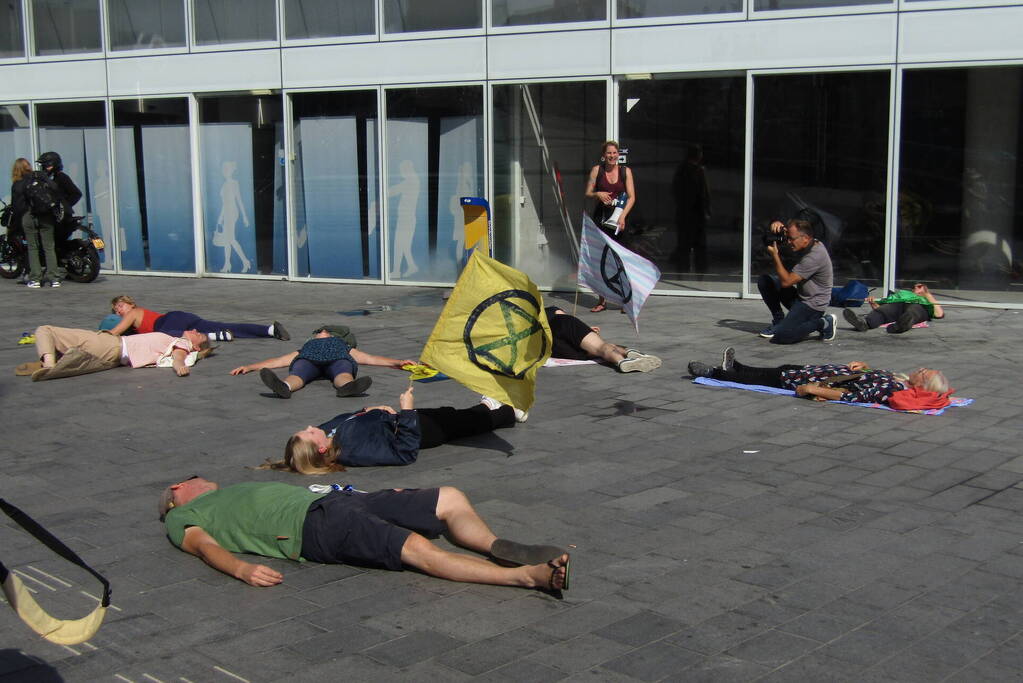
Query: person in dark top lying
point(381, 435)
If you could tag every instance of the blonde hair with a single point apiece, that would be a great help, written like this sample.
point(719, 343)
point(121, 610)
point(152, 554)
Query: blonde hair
point(609, 143)
point(122, 298)
point(20, 169)
point(302, 456)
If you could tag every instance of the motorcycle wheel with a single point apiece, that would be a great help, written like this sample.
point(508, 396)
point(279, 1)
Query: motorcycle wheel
point(10, 265)
point(81, 262)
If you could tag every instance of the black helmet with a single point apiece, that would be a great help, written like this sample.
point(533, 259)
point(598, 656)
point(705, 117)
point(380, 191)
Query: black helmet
point(50, 159)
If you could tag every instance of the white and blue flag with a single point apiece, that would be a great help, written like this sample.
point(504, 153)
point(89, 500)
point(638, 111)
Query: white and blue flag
point(621, 276)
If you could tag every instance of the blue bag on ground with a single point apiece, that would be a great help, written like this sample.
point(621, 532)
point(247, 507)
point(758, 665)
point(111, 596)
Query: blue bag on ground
point(850, 296)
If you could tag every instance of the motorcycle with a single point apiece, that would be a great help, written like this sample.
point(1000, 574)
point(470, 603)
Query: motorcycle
point(78, 256)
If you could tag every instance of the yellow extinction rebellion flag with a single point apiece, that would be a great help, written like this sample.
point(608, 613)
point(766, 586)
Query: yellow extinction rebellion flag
point(492, 335)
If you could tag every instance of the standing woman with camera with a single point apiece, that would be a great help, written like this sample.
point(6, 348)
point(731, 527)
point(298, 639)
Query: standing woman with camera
point(613, 189)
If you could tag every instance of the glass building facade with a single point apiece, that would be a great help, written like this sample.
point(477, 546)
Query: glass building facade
point(317, 140)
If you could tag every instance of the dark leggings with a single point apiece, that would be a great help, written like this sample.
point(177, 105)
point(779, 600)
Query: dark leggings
point(747, 374)
point(439, 425)
point(176, 322)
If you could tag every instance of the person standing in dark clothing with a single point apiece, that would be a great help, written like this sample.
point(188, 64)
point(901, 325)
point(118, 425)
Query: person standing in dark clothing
point(692, 210)
point(40, 228)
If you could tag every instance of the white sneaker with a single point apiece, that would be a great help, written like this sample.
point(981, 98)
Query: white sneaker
point(54, 283)
point(641, 364)
point(494, 404)
point(33, 284)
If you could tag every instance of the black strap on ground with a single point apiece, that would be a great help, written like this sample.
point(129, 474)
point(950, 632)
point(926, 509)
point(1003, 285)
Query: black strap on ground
point(53, 543)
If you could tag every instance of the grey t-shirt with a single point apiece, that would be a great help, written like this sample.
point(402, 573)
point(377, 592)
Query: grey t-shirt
point(815, 269)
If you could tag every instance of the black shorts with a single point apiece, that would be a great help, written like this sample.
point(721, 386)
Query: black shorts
point(368, 529)
point(568, 332)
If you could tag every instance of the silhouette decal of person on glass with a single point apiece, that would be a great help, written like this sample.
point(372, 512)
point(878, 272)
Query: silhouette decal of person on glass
point(231, 209)
point(407, 192)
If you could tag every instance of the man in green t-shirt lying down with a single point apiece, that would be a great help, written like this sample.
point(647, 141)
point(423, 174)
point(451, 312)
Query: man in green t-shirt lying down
point(900, 310)
point(388, 528)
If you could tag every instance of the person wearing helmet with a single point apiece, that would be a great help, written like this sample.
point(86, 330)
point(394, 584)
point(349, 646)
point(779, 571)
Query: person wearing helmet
point(41, 228)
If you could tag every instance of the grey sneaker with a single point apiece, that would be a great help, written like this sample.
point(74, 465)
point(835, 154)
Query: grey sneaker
point(357, 387)
point(829, 327)
point(634, 353)
point(728, 359)
point(275, 383)
point(279, 332)
point(857, 321)
point(903, 324)
point(698, 369)
point(54, 283)
point(641, 364)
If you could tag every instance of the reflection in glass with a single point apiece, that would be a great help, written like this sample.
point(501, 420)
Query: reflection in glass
point(644, 9)
point(12, 42)
point(154, 185)
point(328, 18)
point(335, 181)
point(547, 137)
point(77, 131)
point(243, 184)
point(527, 12)
point(767, 5)
point(15, 140)
point(960, 223)
point(685, 138)
point(820, 146)
point(62, 27)
point(234, 21)
point(435, 156)
point(405, 16)
point(146, 24)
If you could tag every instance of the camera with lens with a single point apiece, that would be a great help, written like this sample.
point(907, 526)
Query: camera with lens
point(770, 237)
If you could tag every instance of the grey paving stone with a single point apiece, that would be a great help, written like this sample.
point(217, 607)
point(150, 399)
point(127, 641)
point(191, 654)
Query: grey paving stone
point(415, 647)
point(653, 662)
point(773, 648)
point(640, 629)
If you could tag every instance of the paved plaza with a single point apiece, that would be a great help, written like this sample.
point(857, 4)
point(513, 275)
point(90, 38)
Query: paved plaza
point(716, 534)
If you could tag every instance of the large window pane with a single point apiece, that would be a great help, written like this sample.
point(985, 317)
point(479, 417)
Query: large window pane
point(820, 149)
point(154, 185)
point(242, 139)
point(12, 42)
point(335, 180)
point(642, 9)
point(143, 24)
point(77, 131)
point(15, 141)
point(547, 136)
point(404, 16)
point(234, 21)
point(523, 12)
point(62, 27)
point(686, 145)
point(328, 18)
point(434, 143)
point(961, 182)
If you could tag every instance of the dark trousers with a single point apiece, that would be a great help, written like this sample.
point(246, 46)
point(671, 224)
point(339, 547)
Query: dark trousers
point(775, 296)
point(176, 322)
point(439, 425)
point(890, 313)
point(800, 322)
point(747, 374)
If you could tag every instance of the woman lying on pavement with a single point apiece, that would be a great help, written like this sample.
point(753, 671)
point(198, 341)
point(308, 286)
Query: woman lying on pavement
point(381, 435)
point(858, 382)
point(325, 354)
point(900, 310)
point(141, 320)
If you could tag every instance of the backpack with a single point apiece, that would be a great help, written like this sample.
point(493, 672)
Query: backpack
point(42, 196)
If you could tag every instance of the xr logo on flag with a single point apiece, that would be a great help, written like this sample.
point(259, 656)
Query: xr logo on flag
point(518, 311)
point(615, 277)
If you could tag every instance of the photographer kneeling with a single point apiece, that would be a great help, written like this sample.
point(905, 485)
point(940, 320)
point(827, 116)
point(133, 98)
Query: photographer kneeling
point(810, 280)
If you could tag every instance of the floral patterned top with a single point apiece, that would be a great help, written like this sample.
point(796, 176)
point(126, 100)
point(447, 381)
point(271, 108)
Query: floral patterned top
point(875, 386)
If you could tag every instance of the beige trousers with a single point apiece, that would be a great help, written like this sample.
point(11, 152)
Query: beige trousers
point(102, 345)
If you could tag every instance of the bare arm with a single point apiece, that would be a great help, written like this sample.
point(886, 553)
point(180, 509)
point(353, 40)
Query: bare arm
point(178, 362)
point(205, 547)
point(630, 188)
point(363, 358)
point(939, 312)
point(129, 320)
point(591, 184)
point(819, 392)
point(278, 362)
point(785, 278)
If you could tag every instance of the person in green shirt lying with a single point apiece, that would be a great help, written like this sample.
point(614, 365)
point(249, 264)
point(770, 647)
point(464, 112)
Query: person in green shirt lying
point(902, 308)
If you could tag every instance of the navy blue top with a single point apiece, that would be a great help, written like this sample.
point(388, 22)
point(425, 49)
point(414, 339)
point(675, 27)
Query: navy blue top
point(325, 350)
point(375, 438)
